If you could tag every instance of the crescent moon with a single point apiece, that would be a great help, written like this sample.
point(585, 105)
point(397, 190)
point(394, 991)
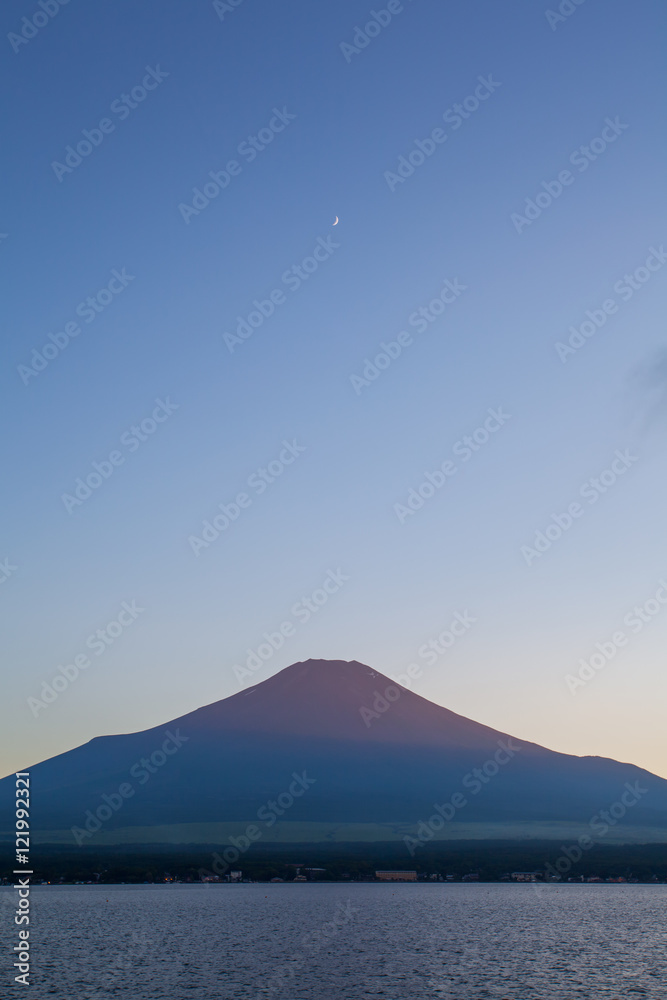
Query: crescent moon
point(336, 222)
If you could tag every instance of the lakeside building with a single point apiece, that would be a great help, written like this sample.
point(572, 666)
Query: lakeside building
point(396, 876)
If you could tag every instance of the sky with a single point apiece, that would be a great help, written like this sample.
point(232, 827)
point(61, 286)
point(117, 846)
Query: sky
point(499, 167)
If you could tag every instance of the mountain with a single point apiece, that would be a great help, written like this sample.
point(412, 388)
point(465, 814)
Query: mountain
point(331, 750)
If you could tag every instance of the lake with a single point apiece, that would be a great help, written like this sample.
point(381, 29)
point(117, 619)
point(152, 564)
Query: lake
point(344, 941)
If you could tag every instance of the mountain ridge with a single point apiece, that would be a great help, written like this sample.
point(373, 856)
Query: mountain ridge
point(378, 756)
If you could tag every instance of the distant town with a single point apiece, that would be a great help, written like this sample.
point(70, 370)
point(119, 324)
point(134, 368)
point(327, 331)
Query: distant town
point(646, 865)
point(319, 874)
point(463, 861)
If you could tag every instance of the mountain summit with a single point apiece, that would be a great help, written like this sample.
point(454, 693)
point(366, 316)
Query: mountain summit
point(338, 699)
point(331, 750)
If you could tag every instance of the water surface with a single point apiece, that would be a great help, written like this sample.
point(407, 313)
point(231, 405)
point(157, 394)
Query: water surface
point(345, 942)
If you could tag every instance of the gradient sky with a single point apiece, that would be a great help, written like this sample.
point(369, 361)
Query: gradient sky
point(333, 507)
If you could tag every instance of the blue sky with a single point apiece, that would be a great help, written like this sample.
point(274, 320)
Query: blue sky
point(347, 118)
